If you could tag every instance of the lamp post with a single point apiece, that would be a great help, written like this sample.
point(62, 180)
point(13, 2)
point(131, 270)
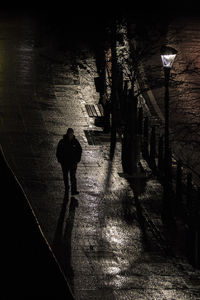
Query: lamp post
point(168, 55)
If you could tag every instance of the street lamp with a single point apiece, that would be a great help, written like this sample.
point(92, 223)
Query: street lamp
point(168, 55)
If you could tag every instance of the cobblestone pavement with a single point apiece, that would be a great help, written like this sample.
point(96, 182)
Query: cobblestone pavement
point(96, 236)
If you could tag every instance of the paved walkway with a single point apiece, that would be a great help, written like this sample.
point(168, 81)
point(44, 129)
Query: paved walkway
point(97, 236)
point(112, 255)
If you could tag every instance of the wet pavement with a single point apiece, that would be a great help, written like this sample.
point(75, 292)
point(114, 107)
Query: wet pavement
point(96, 236)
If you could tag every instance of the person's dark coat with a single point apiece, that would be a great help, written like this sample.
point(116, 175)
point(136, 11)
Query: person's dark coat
point(68, 152)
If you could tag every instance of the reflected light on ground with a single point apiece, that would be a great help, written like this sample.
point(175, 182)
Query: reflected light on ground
point(115, 235)
point(25, 61)
point(112, 270)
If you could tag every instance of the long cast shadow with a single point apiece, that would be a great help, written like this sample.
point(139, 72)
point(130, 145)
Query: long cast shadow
point(67, 236)
point(59, 229)
point(62, 238)
point(138, 187)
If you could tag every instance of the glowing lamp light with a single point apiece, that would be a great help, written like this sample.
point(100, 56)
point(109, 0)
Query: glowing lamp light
point(167, 60)
point(168, 55)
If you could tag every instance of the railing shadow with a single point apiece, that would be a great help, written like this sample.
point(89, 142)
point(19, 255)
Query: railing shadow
point(107, 182)
point(138, 186)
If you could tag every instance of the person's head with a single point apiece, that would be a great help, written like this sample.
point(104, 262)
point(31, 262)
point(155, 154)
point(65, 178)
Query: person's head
point(70, 133)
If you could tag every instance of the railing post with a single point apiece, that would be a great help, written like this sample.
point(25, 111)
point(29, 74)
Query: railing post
point(189, 191)
point(146, 139)
point(168, 194)
point(179, 191)
point(198, 231)
point(140, 121)
point(190, 221)
point(133, 132)
point(153, 149)
point(161, 156)
point(196, 224)
point(170, 168)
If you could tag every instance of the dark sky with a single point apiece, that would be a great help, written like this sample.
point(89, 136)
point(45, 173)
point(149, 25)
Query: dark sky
point(86, 10)
point(89, 16)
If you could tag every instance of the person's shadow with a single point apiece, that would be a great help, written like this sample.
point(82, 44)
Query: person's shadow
point(62, 238)
point(58, 237)
point(67, 238)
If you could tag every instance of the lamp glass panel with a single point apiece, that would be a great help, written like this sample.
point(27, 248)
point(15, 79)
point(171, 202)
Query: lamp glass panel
point(167, 60)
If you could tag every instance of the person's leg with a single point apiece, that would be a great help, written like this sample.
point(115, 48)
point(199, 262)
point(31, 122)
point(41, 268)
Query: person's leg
point(73, 178)
point(65, 177)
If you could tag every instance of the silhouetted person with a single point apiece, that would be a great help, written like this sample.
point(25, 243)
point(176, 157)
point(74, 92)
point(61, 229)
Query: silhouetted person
point(69, 155)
